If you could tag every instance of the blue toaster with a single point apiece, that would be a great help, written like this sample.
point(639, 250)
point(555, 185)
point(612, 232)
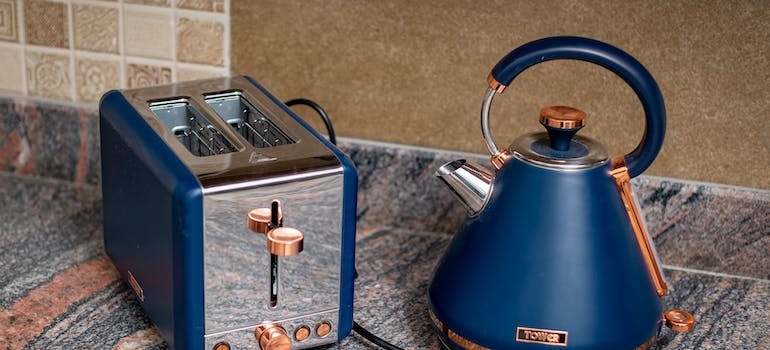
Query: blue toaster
point(231, 219)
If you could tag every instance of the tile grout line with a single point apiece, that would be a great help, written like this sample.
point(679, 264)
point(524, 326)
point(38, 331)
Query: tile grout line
point(121, 47)
point(227, 40)
point(71, 31)
point(715, 274)
point(174, 25)
point(23, 46)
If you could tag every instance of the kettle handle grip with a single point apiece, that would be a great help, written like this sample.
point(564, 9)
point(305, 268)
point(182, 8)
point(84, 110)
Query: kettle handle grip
point(597, 52)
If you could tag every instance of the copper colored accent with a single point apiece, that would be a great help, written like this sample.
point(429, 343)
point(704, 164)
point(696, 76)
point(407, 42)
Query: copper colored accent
point(548, 337)
point(272, 337)
point(221, 346)
point(622, 180)
point(465, 343)
point(285, 241)
point(562, 117)
point(679, 320)
point(323, 329)
point(469, 345)
point(499, 159)
point(494, 84)
point(647, 344)
point(302, 333)
point(135, 286)
point(259, 219)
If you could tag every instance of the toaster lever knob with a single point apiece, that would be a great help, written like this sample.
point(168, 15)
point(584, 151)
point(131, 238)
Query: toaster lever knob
point(259, 219)
point(285, 241)
point(272, 337)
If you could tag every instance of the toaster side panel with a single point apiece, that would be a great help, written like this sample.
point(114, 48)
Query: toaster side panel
point(152, 222)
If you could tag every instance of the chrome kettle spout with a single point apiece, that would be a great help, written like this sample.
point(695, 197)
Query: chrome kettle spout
point(469, 181)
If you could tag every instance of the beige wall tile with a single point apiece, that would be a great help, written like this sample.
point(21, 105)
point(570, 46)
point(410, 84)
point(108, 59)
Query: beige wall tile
point(8, 21)
point(45, 23)
point(12, 78)
point(139, 75)
point(147, 34)
point(95, 77)
point(183, 74)
point(48, 75)
point(150, 2)
point(200, 42)
point(202, 5)
point(96, 28)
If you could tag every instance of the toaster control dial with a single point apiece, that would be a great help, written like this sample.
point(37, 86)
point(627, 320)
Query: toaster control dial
point(285, 241)
point(272, 337)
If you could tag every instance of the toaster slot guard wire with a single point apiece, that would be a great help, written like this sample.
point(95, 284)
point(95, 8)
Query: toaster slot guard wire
point(190, 128)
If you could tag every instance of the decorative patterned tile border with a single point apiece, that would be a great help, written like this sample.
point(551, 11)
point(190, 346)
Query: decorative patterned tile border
point(46, 23)
point(46, 46)
point(8, 21)
point(96, 28)
point(94, 77)
point(11, 61)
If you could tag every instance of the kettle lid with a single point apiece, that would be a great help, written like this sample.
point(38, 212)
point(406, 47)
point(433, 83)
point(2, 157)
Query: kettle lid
point(560, 147)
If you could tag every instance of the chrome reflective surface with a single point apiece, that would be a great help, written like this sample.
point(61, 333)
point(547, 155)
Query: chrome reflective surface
point(237, 262)
point(468, 181)
point(485, 130)
point(521, 148)
point(305, 153)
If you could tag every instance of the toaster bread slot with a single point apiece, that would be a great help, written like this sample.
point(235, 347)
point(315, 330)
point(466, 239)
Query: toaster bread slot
point(190, 128)
point(247, 120)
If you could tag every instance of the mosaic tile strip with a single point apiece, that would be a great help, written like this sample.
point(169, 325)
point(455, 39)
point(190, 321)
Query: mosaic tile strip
point(48, 75)
point(96, 28)
point(45, 23)
point(183, 39)
point(8, 21)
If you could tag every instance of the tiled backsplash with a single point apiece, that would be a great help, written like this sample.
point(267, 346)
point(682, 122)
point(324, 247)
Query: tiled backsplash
point(75, 50)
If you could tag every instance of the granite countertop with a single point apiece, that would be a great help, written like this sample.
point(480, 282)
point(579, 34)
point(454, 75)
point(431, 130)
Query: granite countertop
point(59, 290)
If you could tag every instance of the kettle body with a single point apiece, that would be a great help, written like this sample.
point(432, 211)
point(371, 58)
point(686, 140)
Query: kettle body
point(554, 253)
point(559, 258)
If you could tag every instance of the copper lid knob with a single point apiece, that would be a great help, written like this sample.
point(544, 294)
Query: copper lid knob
point(272, 337)
point(285, 241)
point(259, 219)
point(562, 117)
point(679, 320)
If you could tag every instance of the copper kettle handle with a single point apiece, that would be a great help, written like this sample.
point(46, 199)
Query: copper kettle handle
point(593, 51)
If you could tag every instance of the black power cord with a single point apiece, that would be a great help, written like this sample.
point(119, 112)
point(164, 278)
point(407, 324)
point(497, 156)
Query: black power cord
point(320, 111)
point(330, 129)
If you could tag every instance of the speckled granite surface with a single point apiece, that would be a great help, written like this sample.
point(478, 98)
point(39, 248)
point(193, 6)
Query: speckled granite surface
point(58, 290)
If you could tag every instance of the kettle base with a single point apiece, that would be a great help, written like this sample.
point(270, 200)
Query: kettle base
point(450, 340)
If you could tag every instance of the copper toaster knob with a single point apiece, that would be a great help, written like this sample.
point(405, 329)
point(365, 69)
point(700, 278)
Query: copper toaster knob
point(679, 320)
point(272, 337)
point(259, 220)
point(285, 241)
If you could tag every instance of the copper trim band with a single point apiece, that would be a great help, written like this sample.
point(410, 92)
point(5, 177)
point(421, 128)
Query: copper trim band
point(499, 159)
point(469, 345)
point(494, 84)
point(622, 180)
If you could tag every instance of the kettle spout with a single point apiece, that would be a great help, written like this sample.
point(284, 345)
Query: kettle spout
point(470, 183)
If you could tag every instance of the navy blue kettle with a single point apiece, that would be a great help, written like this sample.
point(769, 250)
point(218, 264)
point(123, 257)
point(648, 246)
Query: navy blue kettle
point(554, 254)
